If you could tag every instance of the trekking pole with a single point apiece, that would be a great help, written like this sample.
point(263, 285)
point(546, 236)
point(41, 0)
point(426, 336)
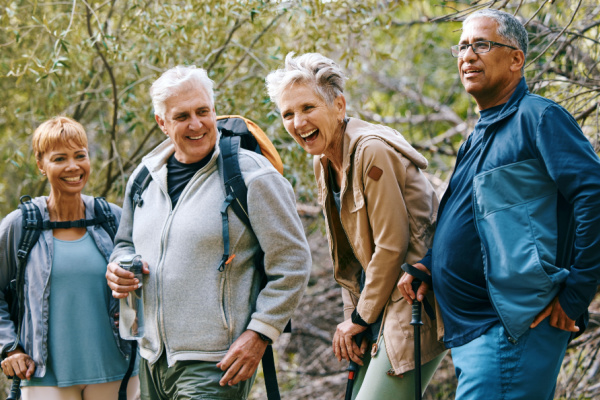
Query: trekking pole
point(416, 322)
point(353, 370)
point(15, 389)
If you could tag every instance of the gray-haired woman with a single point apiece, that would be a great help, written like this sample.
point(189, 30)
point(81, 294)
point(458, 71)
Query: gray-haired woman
point(380, 212)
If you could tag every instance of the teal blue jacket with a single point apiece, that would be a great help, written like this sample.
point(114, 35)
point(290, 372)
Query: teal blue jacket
point(536, 204)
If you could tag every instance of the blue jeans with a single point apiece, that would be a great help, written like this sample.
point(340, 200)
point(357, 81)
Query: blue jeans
point(490, 367)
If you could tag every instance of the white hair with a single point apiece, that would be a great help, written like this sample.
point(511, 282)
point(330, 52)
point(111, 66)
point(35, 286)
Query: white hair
point(320, 73)
point(172, 80)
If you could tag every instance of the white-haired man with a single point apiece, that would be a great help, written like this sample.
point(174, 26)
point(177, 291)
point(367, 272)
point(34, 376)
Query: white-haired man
point(206, 328)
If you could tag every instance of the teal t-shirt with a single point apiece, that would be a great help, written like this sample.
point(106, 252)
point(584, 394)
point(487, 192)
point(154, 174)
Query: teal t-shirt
point(81, 346)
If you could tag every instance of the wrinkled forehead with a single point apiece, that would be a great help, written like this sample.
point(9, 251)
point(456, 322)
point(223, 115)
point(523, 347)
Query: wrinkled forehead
point(188, 95)
point(480, 28)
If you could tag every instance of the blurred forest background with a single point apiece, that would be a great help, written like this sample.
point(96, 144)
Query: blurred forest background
point(95, 61)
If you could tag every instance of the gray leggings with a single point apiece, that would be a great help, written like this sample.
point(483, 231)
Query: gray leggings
point(373, 382)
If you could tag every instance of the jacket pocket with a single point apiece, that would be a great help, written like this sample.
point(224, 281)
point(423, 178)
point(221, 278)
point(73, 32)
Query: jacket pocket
point(399, 315)
point(515, 215)
point(222, 302)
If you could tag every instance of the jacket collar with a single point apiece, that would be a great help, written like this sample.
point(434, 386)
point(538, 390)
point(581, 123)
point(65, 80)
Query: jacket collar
point(513, 103)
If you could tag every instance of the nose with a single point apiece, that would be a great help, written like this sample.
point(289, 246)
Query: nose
point(72, 164)
point(299, 120)
point(195, 123)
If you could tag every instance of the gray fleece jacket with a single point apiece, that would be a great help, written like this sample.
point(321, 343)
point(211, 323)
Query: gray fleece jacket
point(192, 310)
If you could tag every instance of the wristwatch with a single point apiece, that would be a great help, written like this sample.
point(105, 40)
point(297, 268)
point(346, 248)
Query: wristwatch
point(264, 337)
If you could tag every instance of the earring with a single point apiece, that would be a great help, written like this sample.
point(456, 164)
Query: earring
point(43, 172)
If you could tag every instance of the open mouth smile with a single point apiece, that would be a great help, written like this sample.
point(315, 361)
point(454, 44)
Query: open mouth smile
point(73, 179)
point(196, 137)
point(310, 135)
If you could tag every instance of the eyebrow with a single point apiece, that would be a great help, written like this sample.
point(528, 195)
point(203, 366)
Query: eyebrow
point(464, 41)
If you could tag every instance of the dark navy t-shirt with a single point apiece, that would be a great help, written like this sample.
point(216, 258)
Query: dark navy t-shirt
point(179, 174)
point(457, 263)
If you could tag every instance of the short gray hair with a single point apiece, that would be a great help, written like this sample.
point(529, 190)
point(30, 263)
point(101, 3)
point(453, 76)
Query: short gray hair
point(173, 80)
point(320, 73)
point(509, 27)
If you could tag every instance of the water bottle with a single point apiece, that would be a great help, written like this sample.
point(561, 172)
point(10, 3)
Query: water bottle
point(131, 313)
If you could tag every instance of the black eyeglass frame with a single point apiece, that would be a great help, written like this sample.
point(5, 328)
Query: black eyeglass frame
point(456, 48)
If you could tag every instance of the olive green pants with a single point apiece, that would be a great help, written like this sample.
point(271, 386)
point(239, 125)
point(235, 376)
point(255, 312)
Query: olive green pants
point(373, 382)
point(187, 380)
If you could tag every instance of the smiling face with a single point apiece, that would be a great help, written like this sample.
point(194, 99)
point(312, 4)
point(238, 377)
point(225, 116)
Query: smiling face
point(67, 167)
point(191, 123)
point(313, 123)
point(491, 77)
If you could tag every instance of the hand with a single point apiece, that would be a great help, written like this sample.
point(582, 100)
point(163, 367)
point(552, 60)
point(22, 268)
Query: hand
point(242, 359)
point(18, 363)
point(405, 285)
point(122, 281)
point(344, 345)
point(558, 317)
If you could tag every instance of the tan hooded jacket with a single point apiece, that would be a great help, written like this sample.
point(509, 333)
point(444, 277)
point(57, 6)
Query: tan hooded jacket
point(388, 214)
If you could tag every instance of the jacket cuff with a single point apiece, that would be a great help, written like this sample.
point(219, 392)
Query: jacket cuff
point(264, 329)
point(426, 261)
point(356, 319)
point(5, 348)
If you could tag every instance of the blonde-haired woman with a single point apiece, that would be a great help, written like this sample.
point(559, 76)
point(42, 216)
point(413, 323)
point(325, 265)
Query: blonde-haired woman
point(380, 212)
point(69, 347)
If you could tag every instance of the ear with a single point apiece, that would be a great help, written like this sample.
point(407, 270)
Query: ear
point(517, 61)
point(161, 124)
point(339, 104)
point(40, 164)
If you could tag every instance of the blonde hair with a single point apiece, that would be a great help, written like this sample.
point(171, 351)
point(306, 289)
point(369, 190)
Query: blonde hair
point(57, 131)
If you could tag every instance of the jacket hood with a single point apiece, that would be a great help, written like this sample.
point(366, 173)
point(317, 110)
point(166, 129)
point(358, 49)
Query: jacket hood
point(357, 129)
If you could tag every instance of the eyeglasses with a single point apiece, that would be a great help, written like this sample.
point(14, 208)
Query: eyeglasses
point(482, 46)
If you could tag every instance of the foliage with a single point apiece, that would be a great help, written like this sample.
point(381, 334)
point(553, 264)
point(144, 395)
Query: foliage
point(95, 61)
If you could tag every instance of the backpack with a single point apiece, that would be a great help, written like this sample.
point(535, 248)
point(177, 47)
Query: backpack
point(32, 226)
point(236, 132)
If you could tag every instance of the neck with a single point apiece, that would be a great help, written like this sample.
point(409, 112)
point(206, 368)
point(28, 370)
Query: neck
point(500, 98)
point(335, 152)
point(65, 207)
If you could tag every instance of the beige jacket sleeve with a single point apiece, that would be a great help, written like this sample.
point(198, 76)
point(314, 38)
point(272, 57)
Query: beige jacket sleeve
point(383, 178)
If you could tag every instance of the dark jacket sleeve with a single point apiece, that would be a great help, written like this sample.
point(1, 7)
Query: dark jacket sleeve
point(575, 168)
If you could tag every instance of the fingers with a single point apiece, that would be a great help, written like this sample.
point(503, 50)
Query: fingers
point(405, 287)
point(30, 369)
point(20, 365)
point(120, 280)
point(540, 317)
point(422, 291)
point(241, 361)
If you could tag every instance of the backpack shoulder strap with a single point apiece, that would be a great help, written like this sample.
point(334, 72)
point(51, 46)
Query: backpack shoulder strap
point(140, 182)
point(32, 227)
point(105, 216)
point(232, 177)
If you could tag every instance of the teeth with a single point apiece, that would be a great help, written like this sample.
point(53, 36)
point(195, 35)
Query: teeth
point(307, 134)
point(73, 179)
point(196, 137)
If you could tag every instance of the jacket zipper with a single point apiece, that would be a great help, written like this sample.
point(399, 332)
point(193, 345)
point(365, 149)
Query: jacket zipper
point(485, 270)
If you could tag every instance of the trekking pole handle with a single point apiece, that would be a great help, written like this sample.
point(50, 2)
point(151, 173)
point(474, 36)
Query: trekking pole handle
point(15, 389)
point(416, 306)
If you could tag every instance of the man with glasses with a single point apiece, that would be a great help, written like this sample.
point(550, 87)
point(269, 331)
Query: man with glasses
point(516, 256)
